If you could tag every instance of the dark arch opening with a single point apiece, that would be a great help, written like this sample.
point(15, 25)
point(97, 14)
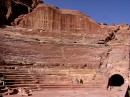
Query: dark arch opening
point(116, 80)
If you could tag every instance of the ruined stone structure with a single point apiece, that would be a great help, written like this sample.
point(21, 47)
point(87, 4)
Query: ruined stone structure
point(60, 48)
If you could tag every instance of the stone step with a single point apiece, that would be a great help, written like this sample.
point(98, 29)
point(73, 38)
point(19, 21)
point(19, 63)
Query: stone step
point(31, 74)
point(33, 77)
point(14, 69)
point(54, 86)
point(6, 80)
point(14, 73)
point(17, 77)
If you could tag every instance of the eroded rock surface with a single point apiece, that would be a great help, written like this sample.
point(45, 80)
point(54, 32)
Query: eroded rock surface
point(11, 9)
point(51, 18)
point(61, 48)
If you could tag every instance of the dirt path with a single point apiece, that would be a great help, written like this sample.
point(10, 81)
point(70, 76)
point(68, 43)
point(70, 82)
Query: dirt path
point(70, 93)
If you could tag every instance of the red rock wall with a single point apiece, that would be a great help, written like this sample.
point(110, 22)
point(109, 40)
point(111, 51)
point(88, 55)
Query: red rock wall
point(50, 18)
point(43, 17)
point(75, 21)
point(11, 9)
point(56, 63)
point(61, 58)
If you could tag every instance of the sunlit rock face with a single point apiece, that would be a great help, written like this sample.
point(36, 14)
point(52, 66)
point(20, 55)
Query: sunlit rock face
point(51, 18)
point(55, 47)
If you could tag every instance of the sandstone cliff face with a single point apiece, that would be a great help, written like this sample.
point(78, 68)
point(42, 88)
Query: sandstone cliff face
point(76, 21)
point(50, 18)
point(11, 9)
point(43, 17)
point(59, 45)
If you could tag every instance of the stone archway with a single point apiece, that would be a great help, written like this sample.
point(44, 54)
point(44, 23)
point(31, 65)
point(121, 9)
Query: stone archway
point(116, 80)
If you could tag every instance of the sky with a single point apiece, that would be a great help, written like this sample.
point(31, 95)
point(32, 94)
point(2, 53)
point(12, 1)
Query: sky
point(102, 11)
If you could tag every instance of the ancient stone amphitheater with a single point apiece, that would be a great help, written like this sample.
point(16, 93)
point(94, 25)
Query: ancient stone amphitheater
point(48, 47)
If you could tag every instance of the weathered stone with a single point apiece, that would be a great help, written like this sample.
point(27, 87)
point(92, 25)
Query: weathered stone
point(11, 9)
point(50, 18)
point(59, 48)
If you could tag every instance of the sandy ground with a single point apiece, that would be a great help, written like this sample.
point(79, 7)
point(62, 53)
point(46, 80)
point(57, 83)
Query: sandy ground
point(70, 93)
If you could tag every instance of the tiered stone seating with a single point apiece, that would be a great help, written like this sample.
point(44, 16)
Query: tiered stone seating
point(66, 78)
point(41, 78)
point(14, 78)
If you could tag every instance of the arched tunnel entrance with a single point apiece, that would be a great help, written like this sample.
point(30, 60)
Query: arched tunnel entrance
point(116, 80)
